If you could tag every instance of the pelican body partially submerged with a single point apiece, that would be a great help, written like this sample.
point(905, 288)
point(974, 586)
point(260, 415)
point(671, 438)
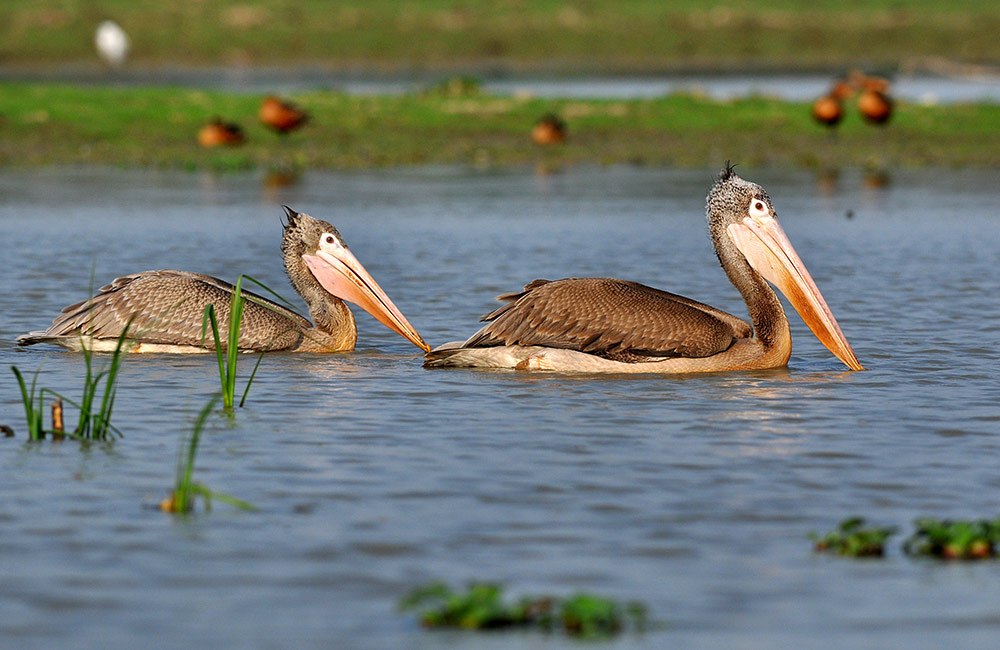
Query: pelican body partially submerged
point(610, 325)
point(164, 310)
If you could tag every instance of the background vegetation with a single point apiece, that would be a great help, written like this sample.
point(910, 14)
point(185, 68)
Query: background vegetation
point(547, 35)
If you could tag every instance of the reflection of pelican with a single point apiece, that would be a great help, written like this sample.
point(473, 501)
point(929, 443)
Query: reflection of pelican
point(218, 134)
point(606, 325)
point(281, 116)
point(112, 43)
point(167, 307)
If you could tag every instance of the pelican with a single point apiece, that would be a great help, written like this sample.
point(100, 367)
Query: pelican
point(166, 308)
point(609, 325)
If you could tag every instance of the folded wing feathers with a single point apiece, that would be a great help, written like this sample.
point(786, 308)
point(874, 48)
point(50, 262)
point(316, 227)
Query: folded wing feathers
point(167, 307)
point(605, 316)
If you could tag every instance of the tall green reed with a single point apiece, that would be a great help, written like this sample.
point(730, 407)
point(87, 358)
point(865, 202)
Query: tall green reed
point(227, 355)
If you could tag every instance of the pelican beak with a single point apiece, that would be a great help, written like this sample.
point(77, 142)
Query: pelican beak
point(767, 249)
point(340, 273)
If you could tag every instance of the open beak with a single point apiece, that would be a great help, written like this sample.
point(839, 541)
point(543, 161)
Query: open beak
point(766, 247)
point(341, 274)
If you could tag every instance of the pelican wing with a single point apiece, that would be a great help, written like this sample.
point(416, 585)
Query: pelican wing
point(167, 307)
point(610, 318)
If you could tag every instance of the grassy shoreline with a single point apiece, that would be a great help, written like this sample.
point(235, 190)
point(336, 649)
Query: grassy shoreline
point(155, 127)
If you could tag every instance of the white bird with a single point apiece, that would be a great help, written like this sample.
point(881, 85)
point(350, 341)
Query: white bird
point(112, 43)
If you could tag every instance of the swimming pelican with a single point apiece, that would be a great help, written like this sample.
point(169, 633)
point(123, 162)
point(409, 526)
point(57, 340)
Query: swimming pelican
point(608, 325)
point(112, 43)
point(167, 307)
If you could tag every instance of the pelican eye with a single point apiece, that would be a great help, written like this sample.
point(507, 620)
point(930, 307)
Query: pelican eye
point(758, 208)
point(328, 239)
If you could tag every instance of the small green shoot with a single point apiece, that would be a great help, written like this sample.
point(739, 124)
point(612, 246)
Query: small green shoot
point(954, 540)
point(852, 539)
point(186, 491)
point(482, 606)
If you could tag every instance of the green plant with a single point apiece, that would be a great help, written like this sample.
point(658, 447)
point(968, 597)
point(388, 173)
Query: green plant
point(589, 616)
point(94, 421)
point(852, 539)
point(227, 358)
point(186, 491)
point(32, 404)
point(960, 540)
point(482, 606)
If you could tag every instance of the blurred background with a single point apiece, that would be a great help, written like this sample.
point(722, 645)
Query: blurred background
point(476, 36)
point(515, 64)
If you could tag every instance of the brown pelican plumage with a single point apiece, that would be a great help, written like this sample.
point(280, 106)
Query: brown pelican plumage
point(608, 325)
point(166, 308)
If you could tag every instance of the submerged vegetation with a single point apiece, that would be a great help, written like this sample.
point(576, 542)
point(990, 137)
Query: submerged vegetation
point(482, 606)
point(45, 124)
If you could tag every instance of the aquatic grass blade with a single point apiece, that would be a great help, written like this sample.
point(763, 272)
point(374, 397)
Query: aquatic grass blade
point(96, 425)
point(183, 488)
point(228, 360)
point(210, 319)
point(253, 374)
point(32, 415)
point(233, 346)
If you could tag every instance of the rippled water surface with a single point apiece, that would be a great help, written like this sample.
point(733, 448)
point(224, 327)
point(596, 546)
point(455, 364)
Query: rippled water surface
point(373, 475)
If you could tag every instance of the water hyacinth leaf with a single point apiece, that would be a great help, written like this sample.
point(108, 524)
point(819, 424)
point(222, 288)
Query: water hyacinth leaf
point(482, 606)
point(852, 539)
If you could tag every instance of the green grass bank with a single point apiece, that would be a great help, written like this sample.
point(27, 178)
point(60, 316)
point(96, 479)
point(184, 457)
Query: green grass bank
point(46, 124)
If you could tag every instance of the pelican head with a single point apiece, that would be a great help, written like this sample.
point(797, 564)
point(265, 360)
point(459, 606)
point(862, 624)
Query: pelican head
point(750, 243)
point(319, 264)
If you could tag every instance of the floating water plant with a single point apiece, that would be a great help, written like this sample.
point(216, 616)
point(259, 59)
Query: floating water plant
point(852, 539)
point(482, 606)
point(186, 491)
point(94, 421)
point(957, 540)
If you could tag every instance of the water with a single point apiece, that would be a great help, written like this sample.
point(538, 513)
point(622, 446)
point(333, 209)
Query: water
point(920, 87)
point(373, 475)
